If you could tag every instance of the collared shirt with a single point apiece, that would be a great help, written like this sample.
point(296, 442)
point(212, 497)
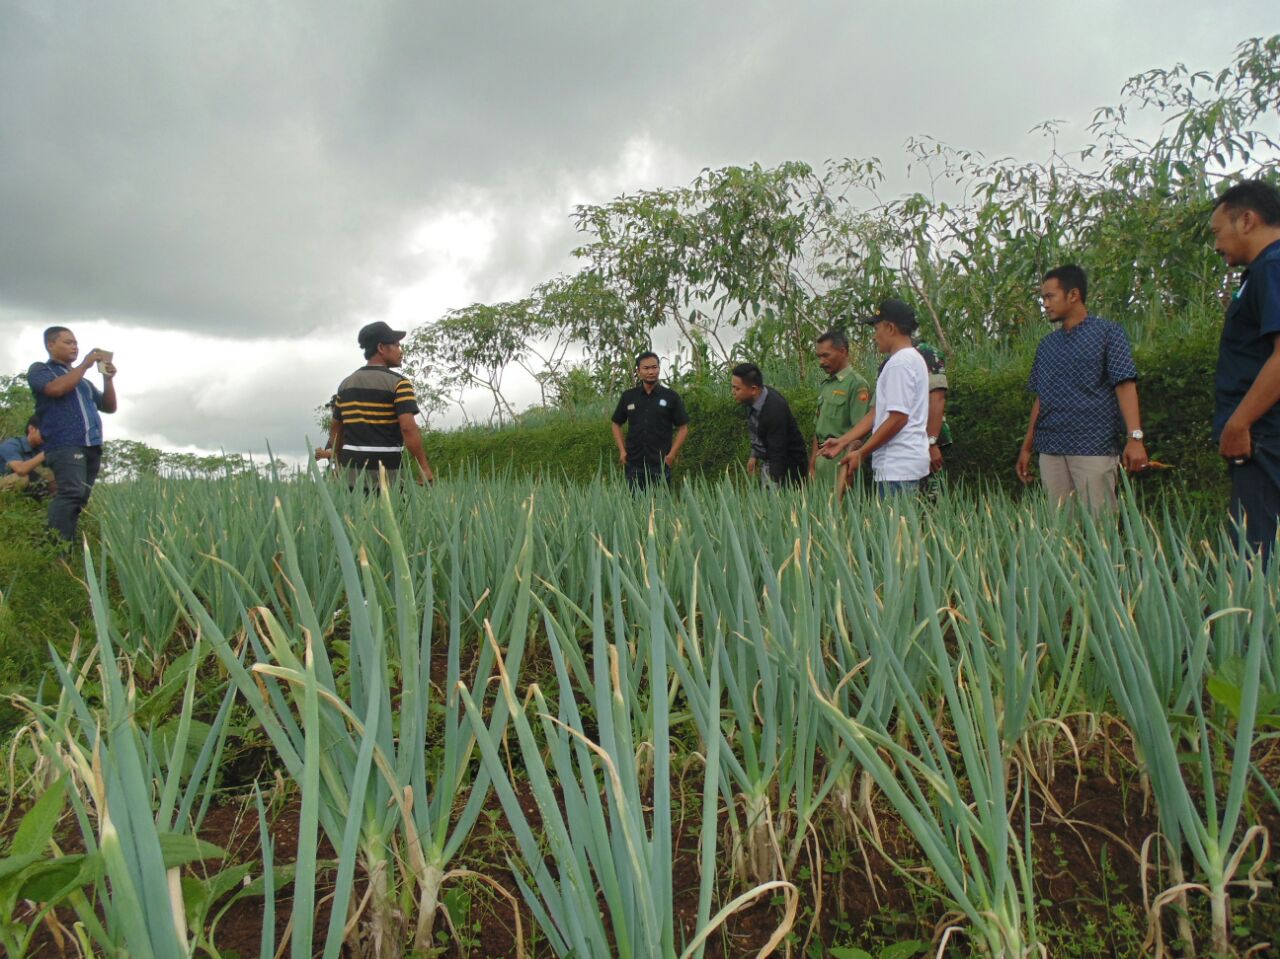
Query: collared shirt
point(1253, 320)
point(16, 449)
point(653, 419)
point(68, 420)
point(368, 404)
point(753, 424)
point(843, 399)
point(1075, 375)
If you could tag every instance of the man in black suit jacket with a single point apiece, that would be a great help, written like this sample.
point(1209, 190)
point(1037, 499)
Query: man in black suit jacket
point(775, 436)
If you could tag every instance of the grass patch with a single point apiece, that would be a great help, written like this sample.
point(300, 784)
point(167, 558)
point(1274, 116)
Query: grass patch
point(41, 600)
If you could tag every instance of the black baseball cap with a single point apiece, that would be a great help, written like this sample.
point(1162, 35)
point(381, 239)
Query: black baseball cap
point(379, 332)
point(897, 313)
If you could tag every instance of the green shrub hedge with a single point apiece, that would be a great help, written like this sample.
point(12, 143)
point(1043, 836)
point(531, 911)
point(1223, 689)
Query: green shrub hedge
point(987, 411)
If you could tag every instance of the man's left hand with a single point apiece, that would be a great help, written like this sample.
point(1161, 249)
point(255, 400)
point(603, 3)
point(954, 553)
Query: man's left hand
point(935, 459)
point(108, 370)
point(670, 459)
point(852, 461)
point(1236, 444)
point(1135, 457)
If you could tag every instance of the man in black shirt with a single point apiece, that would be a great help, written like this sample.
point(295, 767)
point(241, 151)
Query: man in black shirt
point(775, 436)
point(1246, 416)
point(654, 412)
point(374, 414)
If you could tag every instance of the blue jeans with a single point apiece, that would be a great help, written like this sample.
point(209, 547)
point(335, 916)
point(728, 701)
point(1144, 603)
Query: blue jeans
point(75, 469)
point(887, 488)
point(1255, 494)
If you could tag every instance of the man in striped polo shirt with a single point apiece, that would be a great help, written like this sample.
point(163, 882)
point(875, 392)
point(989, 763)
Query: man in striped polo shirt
point(373, 414)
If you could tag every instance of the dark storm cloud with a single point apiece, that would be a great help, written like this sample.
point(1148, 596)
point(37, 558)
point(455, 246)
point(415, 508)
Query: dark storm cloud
point(245, 168)
point(253, 169)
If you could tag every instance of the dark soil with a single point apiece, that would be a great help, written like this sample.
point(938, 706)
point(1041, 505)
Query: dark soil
point(1087, 880)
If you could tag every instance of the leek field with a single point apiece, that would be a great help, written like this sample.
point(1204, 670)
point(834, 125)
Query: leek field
point(510, 717)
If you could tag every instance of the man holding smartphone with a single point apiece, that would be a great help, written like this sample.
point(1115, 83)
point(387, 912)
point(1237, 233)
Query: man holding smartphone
point(67, 408)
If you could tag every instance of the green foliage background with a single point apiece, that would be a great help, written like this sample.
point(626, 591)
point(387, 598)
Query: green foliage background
point(987, 408)
point(750, 262)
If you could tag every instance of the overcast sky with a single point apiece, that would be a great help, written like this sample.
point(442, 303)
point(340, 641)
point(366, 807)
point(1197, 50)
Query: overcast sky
point(223, 192)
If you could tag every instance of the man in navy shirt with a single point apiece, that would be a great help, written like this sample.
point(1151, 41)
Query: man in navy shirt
point(67, 407)
point(1086, 392)
point(1246, 415)
point(19, 461)
point(658, 425)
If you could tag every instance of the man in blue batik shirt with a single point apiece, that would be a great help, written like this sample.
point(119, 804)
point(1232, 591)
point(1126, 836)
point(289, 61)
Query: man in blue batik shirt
point(67, 407)
point(1086, 392)
point(1246, 414)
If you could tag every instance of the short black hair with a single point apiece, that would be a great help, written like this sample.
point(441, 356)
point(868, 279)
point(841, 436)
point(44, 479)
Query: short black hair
point(32, 421)
point(1256, 195)
point(53, 332)
point(646, 355)
point(371, 350)
point(1070, 277)
point(749, 373)
point(836, 338)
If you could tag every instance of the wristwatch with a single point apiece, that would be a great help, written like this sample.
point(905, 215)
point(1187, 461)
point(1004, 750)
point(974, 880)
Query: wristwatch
point(933, 441)
point(1136, 435)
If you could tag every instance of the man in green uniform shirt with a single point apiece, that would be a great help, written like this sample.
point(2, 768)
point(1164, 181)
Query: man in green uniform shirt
point(937, 428)
point(843, 399)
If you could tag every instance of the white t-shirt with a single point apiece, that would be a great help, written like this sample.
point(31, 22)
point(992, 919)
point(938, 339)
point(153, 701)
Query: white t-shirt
point(903, 387)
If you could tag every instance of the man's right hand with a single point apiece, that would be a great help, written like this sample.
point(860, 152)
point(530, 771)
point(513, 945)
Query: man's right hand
point(1023, 466)
point(751, 466)
point(92, 357)
point(622, 457)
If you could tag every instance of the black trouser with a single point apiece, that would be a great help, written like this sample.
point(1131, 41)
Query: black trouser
point(361, 469)
point(366, 478)
point(642, 475)
point(1255, 493)
point(75, 469)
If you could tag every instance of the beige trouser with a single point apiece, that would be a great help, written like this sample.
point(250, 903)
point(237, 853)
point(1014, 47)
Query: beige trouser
point(12, 482)
point(1091, 478)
